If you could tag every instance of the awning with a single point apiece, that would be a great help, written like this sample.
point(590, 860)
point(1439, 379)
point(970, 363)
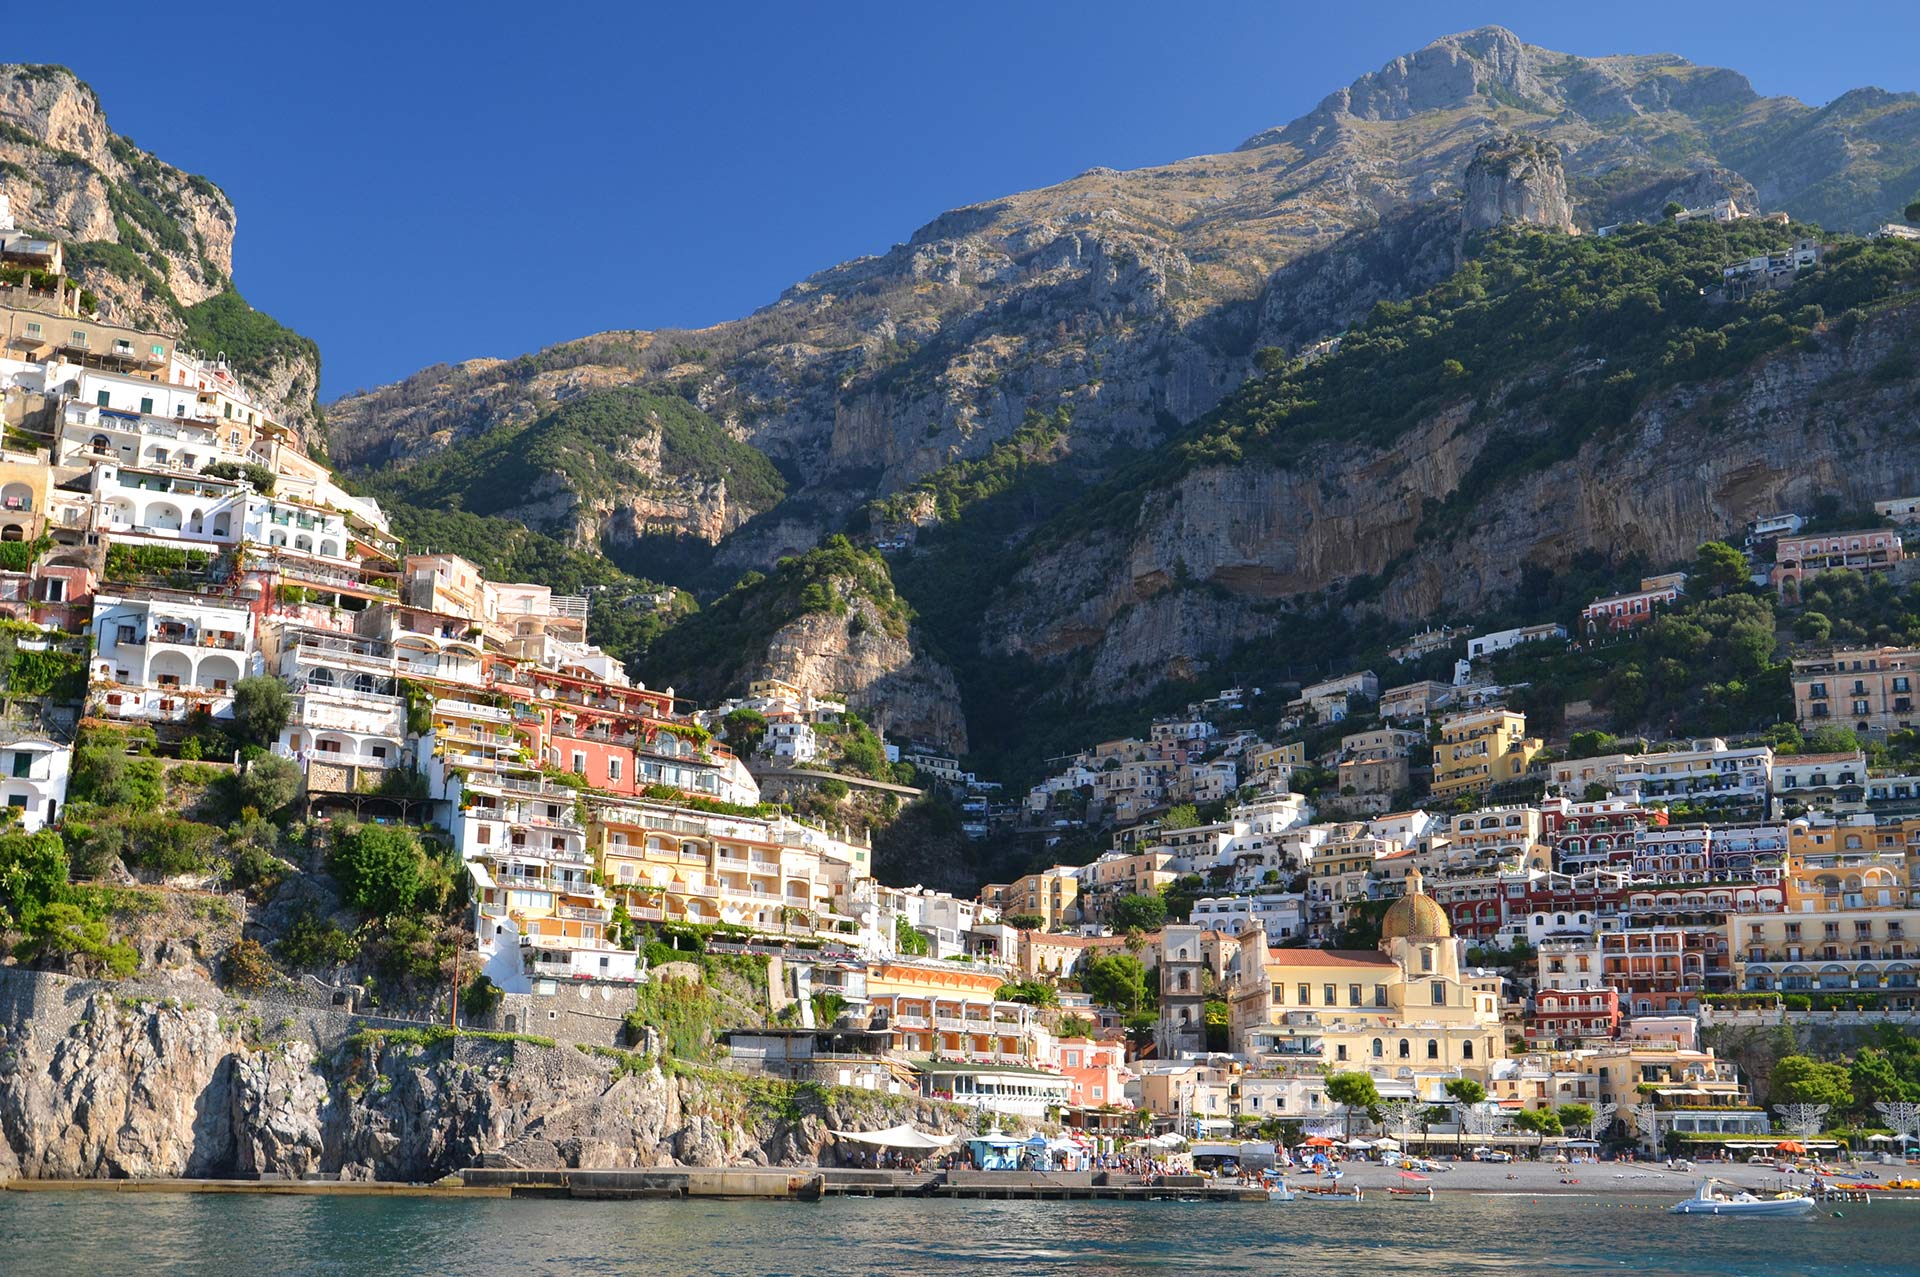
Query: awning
point(896, 1137)
point(481, 878)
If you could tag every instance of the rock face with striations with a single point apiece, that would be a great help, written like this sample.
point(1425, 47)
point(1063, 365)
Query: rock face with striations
point(1139, 298)
point(904, 693)
point(152, 241)
point(1207, 556)
point(1516, 179)
point(161, 1089)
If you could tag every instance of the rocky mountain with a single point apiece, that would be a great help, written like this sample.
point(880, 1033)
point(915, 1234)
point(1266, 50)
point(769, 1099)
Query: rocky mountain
point(1134, 297)
point(155, 244)
point(1134, 304)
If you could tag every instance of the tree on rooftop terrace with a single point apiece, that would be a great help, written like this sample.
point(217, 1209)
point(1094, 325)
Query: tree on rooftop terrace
point(1464, 1090)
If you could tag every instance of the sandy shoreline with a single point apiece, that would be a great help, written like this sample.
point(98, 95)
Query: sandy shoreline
point(1608, 1178)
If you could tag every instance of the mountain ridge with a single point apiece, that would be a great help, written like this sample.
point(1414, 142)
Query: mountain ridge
point(1137, 303)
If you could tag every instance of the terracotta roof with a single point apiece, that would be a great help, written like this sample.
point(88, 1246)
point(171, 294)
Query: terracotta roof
point(1329, 958)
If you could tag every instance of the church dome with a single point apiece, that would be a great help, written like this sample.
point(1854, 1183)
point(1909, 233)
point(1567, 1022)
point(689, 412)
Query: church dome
point(1415, 916)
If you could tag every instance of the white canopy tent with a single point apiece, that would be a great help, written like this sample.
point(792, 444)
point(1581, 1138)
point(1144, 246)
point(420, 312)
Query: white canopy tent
point(896, 1137)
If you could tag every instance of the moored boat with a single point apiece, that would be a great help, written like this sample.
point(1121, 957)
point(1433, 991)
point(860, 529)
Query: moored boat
point(1715, 1198)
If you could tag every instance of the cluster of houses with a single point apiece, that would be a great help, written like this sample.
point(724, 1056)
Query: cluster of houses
point(177, 539)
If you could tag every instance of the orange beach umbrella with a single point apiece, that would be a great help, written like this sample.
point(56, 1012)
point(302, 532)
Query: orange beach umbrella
point(1319, 1141)
point(1790, 1146)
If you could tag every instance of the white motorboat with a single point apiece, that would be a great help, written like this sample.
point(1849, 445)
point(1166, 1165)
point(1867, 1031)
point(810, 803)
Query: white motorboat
point(1715, 1198)
point(1277, 1191)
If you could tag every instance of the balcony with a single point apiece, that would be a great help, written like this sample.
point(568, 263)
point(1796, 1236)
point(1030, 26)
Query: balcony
point(580, 914)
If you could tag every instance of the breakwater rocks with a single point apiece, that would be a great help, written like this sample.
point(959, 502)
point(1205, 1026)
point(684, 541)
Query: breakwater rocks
point(99, 1083)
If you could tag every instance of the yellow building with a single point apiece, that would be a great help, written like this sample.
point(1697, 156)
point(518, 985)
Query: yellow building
point(25, 487)
point(1410, 1009)
point(1481, 749)
point(1845, 951)
point(1831, 868)
point(1052, 895)
point(779, 878)
point(947, 1010)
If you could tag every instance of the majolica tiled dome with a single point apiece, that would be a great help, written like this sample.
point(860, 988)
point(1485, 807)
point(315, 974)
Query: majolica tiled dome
point(1415, 916)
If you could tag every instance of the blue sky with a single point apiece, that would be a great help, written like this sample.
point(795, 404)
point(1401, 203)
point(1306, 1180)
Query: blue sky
point(432, 181)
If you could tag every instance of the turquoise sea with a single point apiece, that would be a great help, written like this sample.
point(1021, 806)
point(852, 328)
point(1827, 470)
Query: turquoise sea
point(46, 1234)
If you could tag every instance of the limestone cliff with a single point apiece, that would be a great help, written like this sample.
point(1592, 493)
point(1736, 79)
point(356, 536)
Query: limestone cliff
point(1210, 557)
point(1515, 179)
point(903, 693)
point(1141, 298)
point(153, 242)
point(95, 1086)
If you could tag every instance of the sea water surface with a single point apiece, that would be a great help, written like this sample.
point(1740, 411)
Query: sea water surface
point(51, 1234)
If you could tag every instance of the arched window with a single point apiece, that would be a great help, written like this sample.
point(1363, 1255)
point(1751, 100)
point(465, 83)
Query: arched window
point(1378, 1049)
point(1406, 1049)
point(1433, 1049)
point(1466, 1050)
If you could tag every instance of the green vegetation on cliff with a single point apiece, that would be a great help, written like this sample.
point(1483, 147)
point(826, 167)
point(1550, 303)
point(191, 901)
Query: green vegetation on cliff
point(588, 443)
point(715, 650)
point(253, 341)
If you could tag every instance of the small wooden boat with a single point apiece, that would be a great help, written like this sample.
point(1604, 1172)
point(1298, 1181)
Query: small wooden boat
point(1327, 1192)
point(1411, 1194)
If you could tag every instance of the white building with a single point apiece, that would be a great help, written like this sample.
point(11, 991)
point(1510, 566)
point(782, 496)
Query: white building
point(792, 742)
point(33, 777)
point(1485, 645)
point(164, 654)
point(1283, 914)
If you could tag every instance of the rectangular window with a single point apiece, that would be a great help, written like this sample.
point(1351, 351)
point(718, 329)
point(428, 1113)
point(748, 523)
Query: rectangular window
point(22, 763)
point(613, 769)
point(103, 398)
point(579, 763)
point(1379, 995)
point(146, 403)
point(1306, 995)
point(17, 800)
point(33, 330)
point(159, 352)
point(1353, 995)
point(1332, 994)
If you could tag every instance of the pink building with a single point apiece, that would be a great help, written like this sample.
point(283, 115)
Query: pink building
point(1096, 1071)
point(1795, 558)
point(1636, 607)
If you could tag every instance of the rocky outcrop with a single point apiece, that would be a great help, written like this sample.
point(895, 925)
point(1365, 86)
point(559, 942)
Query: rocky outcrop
point(160, 1088)
point(902, 692)
point(69, 174)
point(1515, 179)
point(147, 238)
point(1141, 299)
point(1210, 558)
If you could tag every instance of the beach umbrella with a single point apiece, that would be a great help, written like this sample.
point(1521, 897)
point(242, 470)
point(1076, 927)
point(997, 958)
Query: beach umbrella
point(1387, 1143)
point(1790, 1146)
point(1319, 1141)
